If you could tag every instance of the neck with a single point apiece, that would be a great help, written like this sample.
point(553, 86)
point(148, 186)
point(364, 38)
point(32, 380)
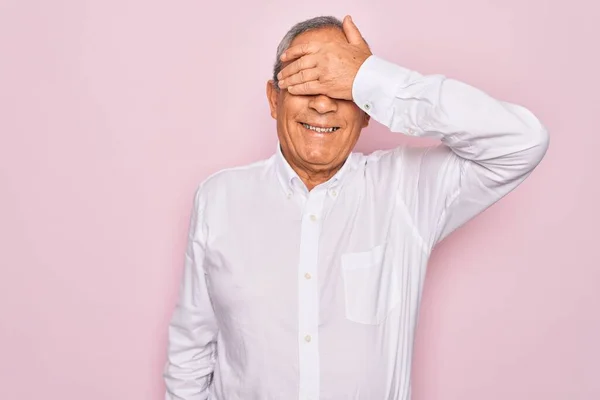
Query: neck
point(312, 178)
point(312, 175)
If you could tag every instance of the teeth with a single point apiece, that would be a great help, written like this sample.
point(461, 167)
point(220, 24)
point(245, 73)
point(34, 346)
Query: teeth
point(320, 130)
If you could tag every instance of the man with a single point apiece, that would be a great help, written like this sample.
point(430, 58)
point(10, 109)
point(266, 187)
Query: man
point(304, 271)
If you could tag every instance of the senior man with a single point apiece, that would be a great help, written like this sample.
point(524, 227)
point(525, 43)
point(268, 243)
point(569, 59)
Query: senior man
point(304, 272)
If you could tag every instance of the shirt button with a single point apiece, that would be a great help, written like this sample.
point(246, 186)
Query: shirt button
point(289, 195)
point(307, 338)
point(307, 275)
point(367, 106)
point(333, 193)
point(313, 217)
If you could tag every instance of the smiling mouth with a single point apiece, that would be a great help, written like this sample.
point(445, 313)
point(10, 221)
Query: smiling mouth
point(320, 129)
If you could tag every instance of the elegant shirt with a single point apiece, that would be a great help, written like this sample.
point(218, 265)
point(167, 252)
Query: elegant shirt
point(296, 294)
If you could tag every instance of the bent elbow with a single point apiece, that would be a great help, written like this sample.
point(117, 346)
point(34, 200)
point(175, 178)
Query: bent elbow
point(539, 146)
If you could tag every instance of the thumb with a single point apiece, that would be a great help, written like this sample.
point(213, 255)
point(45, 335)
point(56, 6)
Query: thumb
point(351, 31)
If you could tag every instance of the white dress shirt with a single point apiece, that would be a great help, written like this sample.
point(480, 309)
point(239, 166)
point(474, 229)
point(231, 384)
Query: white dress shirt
point(290, 294)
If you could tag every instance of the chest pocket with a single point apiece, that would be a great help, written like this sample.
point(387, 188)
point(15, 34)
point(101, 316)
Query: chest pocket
point(371, 289)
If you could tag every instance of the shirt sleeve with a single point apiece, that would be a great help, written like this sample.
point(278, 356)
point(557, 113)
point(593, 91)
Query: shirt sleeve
point(193, 329)
point(488, 147)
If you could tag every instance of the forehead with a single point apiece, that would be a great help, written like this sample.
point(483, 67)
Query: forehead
point(323, 35)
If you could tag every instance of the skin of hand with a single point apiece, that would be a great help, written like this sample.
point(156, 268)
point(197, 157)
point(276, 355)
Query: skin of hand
point(325, 68)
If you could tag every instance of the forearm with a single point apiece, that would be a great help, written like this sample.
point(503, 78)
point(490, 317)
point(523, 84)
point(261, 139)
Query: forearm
point(191, 358)
point(474, 125)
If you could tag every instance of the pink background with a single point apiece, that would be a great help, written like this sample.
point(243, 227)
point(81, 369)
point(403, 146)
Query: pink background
point(112, 111)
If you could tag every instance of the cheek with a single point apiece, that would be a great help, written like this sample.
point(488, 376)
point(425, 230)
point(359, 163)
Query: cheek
point(290, 104)
point(350, 112)
point(355, 120)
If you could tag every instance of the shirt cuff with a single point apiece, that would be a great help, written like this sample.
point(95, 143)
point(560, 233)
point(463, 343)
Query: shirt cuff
point(377, 84)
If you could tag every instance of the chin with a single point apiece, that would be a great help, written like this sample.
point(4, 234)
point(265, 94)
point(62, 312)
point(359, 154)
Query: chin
point(318, 157)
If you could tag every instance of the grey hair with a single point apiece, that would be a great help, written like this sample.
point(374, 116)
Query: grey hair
point(296, 30)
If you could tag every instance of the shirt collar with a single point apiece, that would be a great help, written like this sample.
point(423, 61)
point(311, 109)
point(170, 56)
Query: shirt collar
point(289, 178)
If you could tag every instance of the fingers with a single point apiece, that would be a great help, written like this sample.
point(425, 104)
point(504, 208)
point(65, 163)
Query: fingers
point(299, 50)
point(306, 88)
point(305, 75)
point(352, 33)
point(303, 63)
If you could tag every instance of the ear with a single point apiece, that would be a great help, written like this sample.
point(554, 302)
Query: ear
point(366, 120)
point(272, 95)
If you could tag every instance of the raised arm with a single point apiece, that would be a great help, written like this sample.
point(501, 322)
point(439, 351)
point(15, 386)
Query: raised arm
point(488, 146)
point(193, 327)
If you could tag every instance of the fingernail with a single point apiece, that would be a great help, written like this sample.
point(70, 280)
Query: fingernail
point(282, 57)
point(281, 83)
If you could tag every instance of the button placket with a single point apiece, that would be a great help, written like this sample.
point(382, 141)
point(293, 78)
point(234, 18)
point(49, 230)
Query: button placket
point(308, 297)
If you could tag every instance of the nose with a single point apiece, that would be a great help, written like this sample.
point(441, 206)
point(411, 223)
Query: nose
point(323, 104)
